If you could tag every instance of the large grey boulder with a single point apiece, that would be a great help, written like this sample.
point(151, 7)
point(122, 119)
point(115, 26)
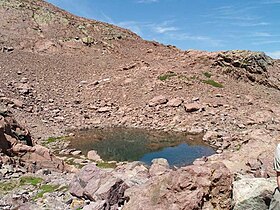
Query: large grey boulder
point(253, 193)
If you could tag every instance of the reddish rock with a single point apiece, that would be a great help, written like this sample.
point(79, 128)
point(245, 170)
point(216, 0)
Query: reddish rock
point(191, 187)
point(159, 166)
point(96, 184)
point(193, 107)
point(104, 109)
point(158, 100)
point(92, 155)
point(175, 102)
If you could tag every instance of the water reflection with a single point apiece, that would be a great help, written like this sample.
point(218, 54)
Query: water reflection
point(122, 144)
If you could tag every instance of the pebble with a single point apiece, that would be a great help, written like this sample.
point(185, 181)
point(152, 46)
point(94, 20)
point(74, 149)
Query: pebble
point(77, 152)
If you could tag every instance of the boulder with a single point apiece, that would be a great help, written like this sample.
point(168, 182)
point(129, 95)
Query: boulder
point(193, 107)
point(159, 166)
point(191, 187)
point(92, 155)
point(253, 193)
point(158, 100)
point(96, 184)
point(175, 102)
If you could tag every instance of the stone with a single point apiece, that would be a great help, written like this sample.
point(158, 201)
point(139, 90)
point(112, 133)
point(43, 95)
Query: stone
point(253, 193)
point(158, 100)
point(104, 109)
point(17, 103)
point(24, 80)
point(159, 166)
point(210, 135)
point(96, 184)
point(190, 187)
point(24, 89)
point(175, 102)
point(99, 205)
point(92, 155)
point(193, 107)
point(76, 152)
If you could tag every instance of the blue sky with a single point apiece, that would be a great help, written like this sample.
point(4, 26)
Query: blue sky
point(210, 25)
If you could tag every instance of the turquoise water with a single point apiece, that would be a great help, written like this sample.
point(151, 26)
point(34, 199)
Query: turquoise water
point(122, 144)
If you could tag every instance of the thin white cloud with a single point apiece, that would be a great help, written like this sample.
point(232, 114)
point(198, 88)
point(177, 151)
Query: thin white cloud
point(164, 29)
point(134, 26)
point(195, 38)
point(262, 34)
point(275, 54)
point(146, 1)
point(271, 2)
point(251, 24)
point(263, 42)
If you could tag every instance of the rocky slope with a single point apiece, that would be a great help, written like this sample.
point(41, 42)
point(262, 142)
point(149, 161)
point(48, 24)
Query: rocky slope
point(61, 72)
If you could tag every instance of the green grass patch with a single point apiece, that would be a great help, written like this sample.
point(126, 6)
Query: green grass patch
point(106, 165)
point(213, 83)
point(53, 139)
point(8, 186)
point(25, 180)
point(207, 74)
point(167, 75)
point(47, 188)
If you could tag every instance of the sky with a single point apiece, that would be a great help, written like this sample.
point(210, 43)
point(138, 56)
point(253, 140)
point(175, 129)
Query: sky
point(210, 25)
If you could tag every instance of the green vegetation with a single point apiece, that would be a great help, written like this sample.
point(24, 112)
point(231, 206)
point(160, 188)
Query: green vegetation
point(167, 75)
point(8, 186)
point(30, 180)
point(213, 83)
point(47, 188)
point(106, 165)
point(53, 139)
point(25, 180)
point(207, 74)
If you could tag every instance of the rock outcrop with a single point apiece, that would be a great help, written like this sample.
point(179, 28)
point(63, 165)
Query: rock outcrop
point(247, 65)
point(16, 141)
point(191, 187)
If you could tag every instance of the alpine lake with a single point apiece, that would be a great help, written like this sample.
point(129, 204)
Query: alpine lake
point(129, 144)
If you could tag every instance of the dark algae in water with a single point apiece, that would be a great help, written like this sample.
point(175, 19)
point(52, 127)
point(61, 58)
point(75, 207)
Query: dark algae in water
point(123, 144)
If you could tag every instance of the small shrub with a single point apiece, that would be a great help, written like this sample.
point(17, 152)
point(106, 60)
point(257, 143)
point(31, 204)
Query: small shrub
point(167, 75)
point(106, 165)
point(8, 186)
point(207, 74)
point(47, 188)
point(30, 180)
point(53, 139)
point(213, 83)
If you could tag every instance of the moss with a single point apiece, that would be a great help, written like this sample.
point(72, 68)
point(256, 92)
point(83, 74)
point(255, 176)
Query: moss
point(213, 83)
point(106, 165)
point(167, 75)
point(8, 186)
point(30, 180)
point(47, 188)
point(207, 74)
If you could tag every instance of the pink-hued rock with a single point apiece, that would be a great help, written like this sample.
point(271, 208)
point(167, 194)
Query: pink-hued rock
point(193, 107)
point(175, 102)
point(96, 184)
point(92, 155)
point(158, 100)
point(159, 166)
point(191, 187)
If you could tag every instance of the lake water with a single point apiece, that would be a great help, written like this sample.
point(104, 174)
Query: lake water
point(123, 144)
